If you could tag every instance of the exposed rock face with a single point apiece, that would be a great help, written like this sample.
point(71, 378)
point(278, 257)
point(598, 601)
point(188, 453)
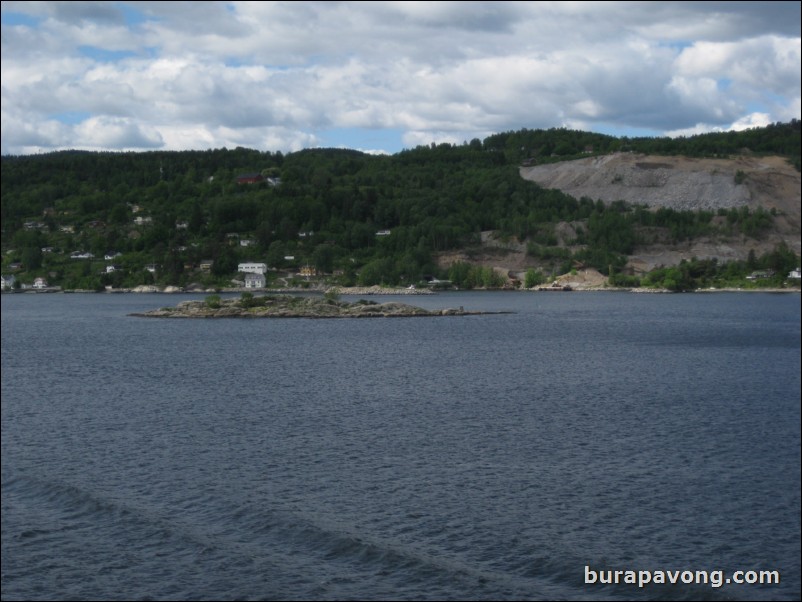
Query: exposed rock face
point(282, 306)
point(681, 183)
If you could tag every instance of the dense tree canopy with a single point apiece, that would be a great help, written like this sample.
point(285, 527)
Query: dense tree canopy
point(372, 219)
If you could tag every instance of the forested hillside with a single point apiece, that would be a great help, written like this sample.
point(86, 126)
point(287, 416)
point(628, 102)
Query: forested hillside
point(556, 144)
point(84, 220)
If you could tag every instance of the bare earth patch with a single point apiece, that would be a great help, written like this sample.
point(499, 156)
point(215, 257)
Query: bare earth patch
point(680, 183)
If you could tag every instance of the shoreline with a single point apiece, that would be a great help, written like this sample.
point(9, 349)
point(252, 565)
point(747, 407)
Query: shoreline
point(380, 291)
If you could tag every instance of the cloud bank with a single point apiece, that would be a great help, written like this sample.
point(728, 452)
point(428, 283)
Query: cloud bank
point(383, 76)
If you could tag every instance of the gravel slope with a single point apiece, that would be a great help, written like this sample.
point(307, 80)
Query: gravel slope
point(681, 183)
point(677, 182)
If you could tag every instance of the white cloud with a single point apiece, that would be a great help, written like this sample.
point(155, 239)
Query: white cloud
point(106, 132)
point(770, 62)
point(426, 138)
point(752, 120)
point(202, 137)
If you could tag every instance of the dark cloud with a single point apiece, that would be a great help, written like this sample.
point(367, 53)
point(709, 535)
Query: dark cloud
point(751, 19)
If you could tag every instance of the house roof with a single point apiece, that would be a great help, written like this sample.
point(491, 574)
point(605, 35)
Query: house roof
point(248, 177)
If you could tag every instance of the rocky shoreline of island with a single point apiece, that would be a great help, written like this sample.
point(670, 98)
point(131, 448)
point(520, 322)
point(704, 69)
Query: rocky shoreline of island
point(288, 306)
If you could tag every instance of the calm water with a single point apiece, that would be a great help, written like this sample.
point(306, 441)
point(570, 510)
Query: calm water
point(482, 457)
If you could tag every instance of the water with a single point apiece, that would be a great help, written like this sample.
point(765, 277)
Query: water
point(480, 457)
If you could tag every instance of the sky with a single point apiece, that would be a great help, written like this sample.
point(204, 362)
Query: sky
point(381, 77)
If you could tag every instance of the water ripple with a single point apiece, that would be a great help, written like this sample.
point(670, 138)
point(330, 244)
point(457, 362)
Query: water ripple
point(491, 458)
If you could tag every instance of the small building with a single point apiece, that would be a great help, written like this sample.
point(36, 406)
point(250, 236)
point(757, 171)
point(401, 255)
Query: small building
point(252, 268)
point(39, 283)
point(254, 280)
point(250, 178)
point(794, 274)
point(308, 271)
point(81, 255)
point(7, 281)
point(206, 265)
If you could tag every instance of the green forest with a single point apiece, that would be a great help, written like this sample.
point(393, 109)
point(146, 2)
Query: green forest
point(93, 220)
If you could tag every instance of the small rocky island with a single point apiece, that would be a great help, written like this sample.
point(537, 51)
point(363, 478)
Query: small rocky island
point(287, 306)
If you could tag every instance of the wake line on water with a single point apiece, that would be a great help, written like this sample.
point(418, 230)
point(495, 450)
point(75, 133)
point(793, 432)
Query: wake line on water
point(321, 555)
point(250, 538)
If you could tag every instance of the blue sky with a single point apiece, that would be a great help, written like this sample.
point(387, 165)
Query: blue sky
point(384, 76)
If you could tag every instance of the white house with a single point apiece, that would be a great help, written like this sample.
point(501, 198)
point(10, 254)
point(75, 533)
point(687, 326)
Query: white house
point(795, 274)
point(40, 283)
point(252, 268)
point(7, 281)
point(254, 280)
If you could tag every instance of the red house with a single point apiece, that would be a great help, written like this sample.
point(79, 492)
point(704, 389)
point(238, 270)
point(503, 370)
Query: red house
point(250, 178)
